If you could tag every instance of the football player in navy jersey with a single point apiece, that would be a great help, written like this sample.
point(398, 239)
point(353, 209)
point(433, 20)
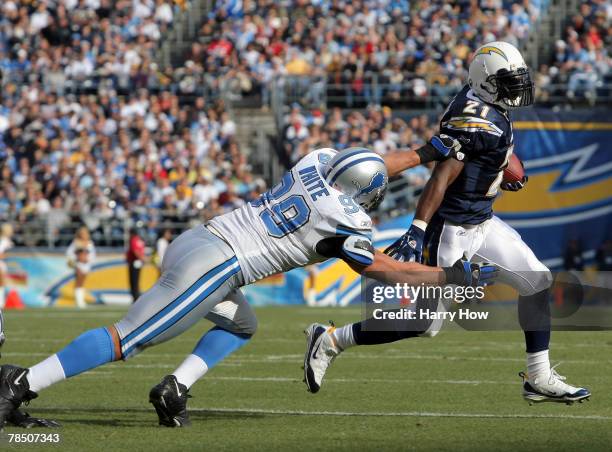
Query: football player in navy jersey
point(454, 217)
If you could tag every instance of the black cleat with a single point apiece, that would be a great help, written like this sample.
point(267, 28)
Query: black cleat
point(170, 401)
point(14, 389)
point(22, 419)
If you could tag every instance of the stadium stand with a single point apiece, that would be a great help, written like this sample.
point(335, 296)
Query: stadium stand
point(94, 129)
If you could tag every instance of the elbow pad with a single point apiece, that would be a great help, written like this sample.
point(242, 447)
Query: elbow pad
point(357, 249)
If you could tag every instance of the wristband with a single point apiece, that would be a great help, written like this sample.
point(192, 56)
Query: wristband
point(422, 225)
point(454, 275)
point(428, 154)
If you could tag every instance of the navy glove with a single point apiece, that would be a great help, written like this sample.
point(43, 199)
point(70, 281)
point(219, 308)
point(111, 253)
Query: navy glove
point(409, 247)
point(514, 186)
point(466, 273)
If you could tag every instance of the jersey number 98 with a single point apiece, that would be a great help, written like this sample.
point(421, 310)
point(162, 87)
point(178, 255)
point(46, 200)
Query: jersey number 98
point(286, 215)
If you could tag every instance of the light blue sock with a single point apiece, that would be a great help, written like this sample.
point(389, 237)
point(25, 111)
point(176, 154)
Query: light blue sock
point(217, 344)
point(214, 346)
point(91, 349)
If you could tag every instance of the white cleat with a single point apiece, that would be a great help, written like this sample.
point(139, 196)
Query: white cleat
point(320, 353)
point(551, 387)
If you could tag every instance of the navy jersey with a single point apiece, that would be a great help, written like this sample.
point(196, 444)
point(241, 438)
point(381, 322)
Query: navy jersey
point(487, 144)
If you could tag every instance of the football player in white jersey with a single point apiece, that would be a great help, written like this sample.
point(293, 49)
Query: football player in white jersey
point(316, 212)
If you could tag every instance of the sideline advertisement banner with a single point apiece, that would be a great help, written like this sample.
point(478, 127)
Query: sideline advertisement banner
point(568, 158)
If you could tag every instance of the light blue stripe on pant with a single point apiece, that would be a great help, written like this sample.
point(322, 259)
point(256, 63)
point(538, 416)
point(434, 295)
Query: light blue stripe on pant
point(185, 309)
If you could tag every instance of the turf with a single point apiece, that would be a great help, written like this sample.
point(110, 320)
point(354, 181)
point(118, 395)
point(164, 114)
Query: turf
point(457, 391)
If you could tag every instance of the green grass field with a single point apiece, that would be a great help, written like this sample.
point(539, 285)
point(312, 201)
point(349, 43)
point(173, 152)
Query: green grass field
point(457, 391)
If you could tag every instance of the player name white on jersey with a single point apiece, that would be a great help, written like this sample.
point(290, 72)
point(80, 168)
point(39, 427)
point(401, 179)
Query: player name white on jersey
point(280, 230)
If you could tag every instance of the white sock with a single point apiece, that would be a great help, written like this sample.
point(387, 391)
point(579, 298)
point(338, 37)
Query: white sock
point(79, 297)
point(537, 364)
point(2, 297)
point(344, 336)
point(190, 370)
point(46, 373)
point(311, 297)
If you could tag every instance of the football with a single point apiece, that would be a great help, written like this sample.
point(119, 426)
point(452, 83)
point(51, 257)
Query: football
point(514, 172)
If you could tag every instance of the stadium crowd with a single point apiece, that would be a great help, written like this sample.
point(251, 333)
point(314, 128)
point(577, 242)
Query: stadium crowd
point(91, 129)
point(89, 132)
point(411, 50)
point(583, 58)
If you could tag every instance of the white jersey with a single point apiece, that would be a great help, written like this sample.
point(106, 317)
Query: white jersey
point(280, 230)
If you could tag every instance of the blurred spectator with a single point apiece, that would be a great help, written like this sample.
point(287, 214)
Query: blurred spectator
point(135, 257)
point(81, 254)
point(6, 234)
point(161, 245)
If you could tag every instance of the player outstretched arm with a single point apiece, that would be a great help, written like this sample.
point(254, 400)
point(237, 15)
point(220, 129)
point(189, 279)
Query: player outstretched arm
point(410, 245)
point(440, 147)
point(462, 273)
point(357, 251)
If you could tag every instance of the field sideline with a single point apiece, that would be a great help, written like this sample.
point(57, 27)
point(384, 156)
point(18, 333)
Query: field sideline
point(458, 391)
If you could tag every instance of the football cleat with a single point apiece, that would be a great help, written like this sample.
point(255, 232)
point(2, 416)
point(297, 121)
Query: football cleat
point(14, 389)
point(170, 401)
point(551, 387)
point(22, 419)
point(320, 353)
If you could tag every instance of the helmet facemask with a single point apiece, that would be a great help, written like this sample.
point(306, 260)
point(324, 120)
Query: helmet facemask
point(514, 88)
point(373, 203)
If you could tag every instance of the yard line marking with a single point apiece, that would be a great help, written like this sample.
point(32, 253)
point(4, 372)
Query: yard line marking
point(491, 346)
point(290, 358)
point(298, 380)
point(432, 414)
point(361, 380)
point(401, 414)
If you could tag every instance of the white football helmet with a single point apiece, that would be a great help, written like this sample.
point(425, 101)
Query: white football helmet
point(498, 75)
point(360, 174)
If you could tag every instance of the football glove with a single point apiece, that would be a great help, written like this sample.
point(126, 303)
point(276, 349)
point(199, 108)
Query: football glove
point(441, 147)
point(409, 247)
point(448, 147)
point(466, 273)
point(515, 186)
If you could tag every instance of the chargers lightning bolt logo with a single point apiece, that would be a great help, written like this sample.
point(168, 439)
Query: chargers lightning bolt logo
point(490, 50)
